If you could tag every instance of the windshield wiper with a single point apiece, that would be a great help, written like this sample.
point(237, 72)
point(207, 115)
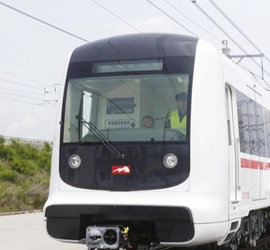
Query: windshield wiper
point(91, 127)
point(167, 118)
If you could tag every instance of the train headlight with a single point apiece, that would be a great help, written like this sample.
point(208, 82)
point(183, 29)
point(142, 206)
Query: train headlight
point(94, 237)
point(170, 160)
point(74, 161)
point(110, 237)
point(102, 237)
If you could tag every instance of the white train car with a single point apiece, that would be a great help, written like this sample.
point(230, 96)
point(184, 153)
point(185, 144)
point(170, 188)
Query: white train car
point(200, 179)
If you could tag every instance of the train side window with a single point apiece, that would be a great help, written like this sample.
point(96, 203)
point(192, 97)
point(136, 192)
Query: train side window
point(267, 128)
point(229, 114)
point(253, 128)
point(243, 122)
point(260, 130)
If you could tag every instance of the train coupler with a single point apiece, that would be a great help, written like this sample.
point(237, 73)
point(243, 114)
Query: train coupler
point(107, 237)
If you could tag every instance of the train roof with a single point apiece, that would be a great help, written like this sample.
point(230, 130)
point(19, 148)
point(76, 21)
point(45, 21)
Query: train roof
point(136, 46)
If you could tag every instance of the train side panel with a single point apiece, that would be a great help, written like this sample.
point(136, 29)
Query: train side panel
point(253, 167)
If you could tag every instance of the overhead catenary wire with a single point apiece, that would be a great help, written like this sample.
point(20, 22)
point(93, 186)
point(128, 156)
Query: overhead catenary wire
point(62, 30)
point(246, 69)
point(57, 28)
point(7, 95)
point(116, 16)
point(42, 104)
point(20, 64)
point(22, 96)
point(243, 66)
point(42, 89)
point(238, 29)
point(192, 21)
point(50, 102)
point(243, 34)
point(165, 13)
point(230, 37)
point(43, 22)
point(24, 92)
point(14, 99)
point(216, 24)
point(29, 80)
point(22, 84)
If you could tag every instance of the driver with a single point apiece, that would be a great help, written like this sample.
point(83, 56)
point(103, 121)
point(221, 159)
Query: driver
point(178, 118)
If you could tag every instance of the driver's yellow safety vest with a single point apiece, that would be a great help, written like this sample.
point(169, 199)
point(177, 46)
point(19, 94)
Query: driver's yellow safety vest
point(175, 123)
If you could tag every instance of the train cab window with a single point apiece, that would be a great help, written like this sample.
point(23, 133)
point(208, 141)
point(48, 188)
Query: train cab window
point(112, 107)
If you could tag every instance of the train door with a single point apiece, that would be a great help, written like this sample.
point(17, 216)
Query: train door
point(233, 148)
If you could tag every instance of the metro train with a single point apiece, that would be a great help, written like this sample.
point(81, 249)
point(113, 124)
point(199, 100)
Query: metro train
point(116, 184)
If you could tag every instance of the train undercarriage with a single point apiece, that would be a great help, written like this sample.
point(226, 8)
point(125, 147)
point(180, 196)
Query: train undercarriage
point(254, 233)
point(253, 228)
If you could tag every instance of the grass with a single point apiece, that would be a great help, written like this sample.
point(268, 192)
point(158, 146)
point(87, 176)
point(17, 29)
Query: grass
point(24, 176)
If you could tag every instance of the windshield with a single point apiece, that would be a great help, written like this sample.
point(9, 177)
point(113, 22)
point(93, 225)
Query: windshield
point(127, 102)
point(125, 108)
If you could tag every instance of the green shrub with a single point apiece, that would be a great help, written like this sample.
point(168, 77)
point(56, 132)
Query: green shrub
point(8, 175)
point(2, 140)
point(24, 175)
point(6, 152)
point(47, 147)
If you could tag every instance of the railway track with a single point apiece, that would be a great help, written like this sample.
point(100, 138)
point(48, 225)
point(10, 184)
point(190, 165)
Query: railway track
point(262, 244)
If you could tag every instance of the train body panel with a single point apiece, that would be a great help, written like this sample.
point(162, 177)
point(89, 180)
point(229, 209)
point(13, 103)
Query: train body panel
point(205, 182)
point(253, 166)
point(209, 156)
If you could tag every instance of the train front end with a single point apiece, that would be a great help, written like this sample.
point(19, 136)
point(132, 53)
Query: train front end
point(116, 180)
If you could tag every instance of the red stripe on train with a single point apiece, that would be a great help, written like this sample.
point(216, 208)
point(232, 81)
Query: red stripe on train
point(252, 164)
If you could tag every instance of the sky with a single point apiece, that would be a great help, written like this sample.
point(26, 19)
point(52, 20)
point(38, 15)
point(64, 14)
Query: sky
point(38, 36)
